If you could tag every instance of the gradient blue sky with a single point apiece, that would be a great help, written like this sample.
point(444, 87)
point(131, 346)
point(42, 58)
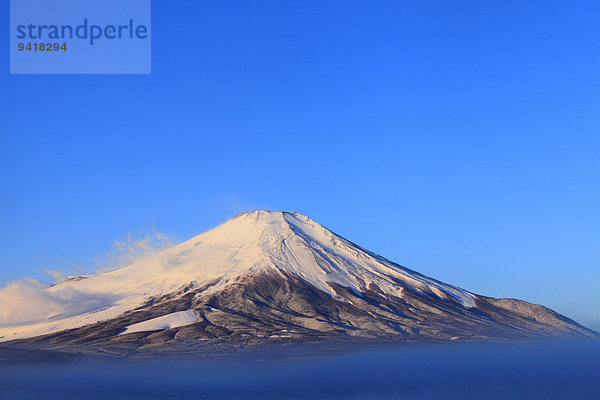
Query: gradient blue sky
point(461, 140)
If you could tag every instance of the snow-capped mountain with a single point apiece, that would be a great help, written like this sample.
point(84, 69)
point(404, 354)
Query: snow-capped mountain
point(264, 276)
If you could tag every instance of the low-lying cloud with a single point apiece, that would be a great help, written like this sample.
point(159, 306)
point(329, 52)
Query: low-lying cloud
point(29, 301)
point(416, 372)
point(22, 303)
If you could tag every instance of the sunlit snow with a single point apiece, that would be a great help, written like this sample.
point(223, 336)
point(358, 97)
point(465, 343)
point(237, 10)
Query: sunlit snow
point(251, 242)
point(169, 321)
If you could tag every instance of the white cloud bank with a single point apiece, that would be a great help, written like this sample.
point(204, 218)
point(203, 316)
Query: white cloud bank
point(29, 301)
point(24, 303)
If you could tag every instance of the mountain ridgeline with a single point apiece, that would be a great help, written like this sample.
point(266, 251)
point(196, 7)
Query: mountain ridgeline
point(268, 277)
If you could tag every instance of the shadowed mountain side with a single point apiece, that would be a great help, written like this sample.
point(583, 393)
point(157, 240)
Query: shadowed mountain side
point(274, 307)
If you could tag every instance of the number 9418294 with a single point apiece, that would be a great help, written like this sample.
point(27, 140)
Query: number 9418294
point(34, 46)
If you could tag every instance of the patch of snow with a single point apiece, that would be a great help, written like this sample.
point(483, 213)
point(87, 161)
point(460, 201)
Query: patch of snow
point(169, 321)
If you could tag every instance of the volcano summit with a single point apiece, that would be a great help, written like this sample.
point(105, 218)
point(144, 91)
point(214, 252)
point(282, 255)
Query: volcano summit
point(265, 277)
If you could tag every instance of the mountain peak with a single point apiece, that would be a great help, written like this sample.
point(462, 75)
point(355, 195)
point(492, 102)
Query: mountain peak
point(268, 218)
point(265, 227)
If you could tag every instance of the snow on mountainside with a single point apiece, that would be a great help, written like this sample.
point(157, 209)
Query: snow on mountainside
point(169, 321)
point(235, 257)
point(252, 241)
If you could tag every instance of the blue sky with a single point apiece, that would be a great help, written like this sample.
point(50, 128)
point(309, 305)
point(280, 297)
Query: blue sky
point(461, 140)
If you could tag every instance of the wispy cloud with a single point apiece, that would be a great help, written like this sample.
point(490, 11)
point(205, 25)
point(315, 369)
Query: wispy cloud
point(132, 248)
point(54, 273)
point(28, 300)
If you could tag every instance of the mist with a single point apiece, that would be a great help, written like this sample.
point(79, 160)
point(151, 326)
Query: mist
point(451, 371)
point(29, 301)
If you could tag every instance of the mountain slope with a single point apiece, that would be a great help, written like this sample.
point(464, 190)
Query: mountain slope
point(272, 276)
